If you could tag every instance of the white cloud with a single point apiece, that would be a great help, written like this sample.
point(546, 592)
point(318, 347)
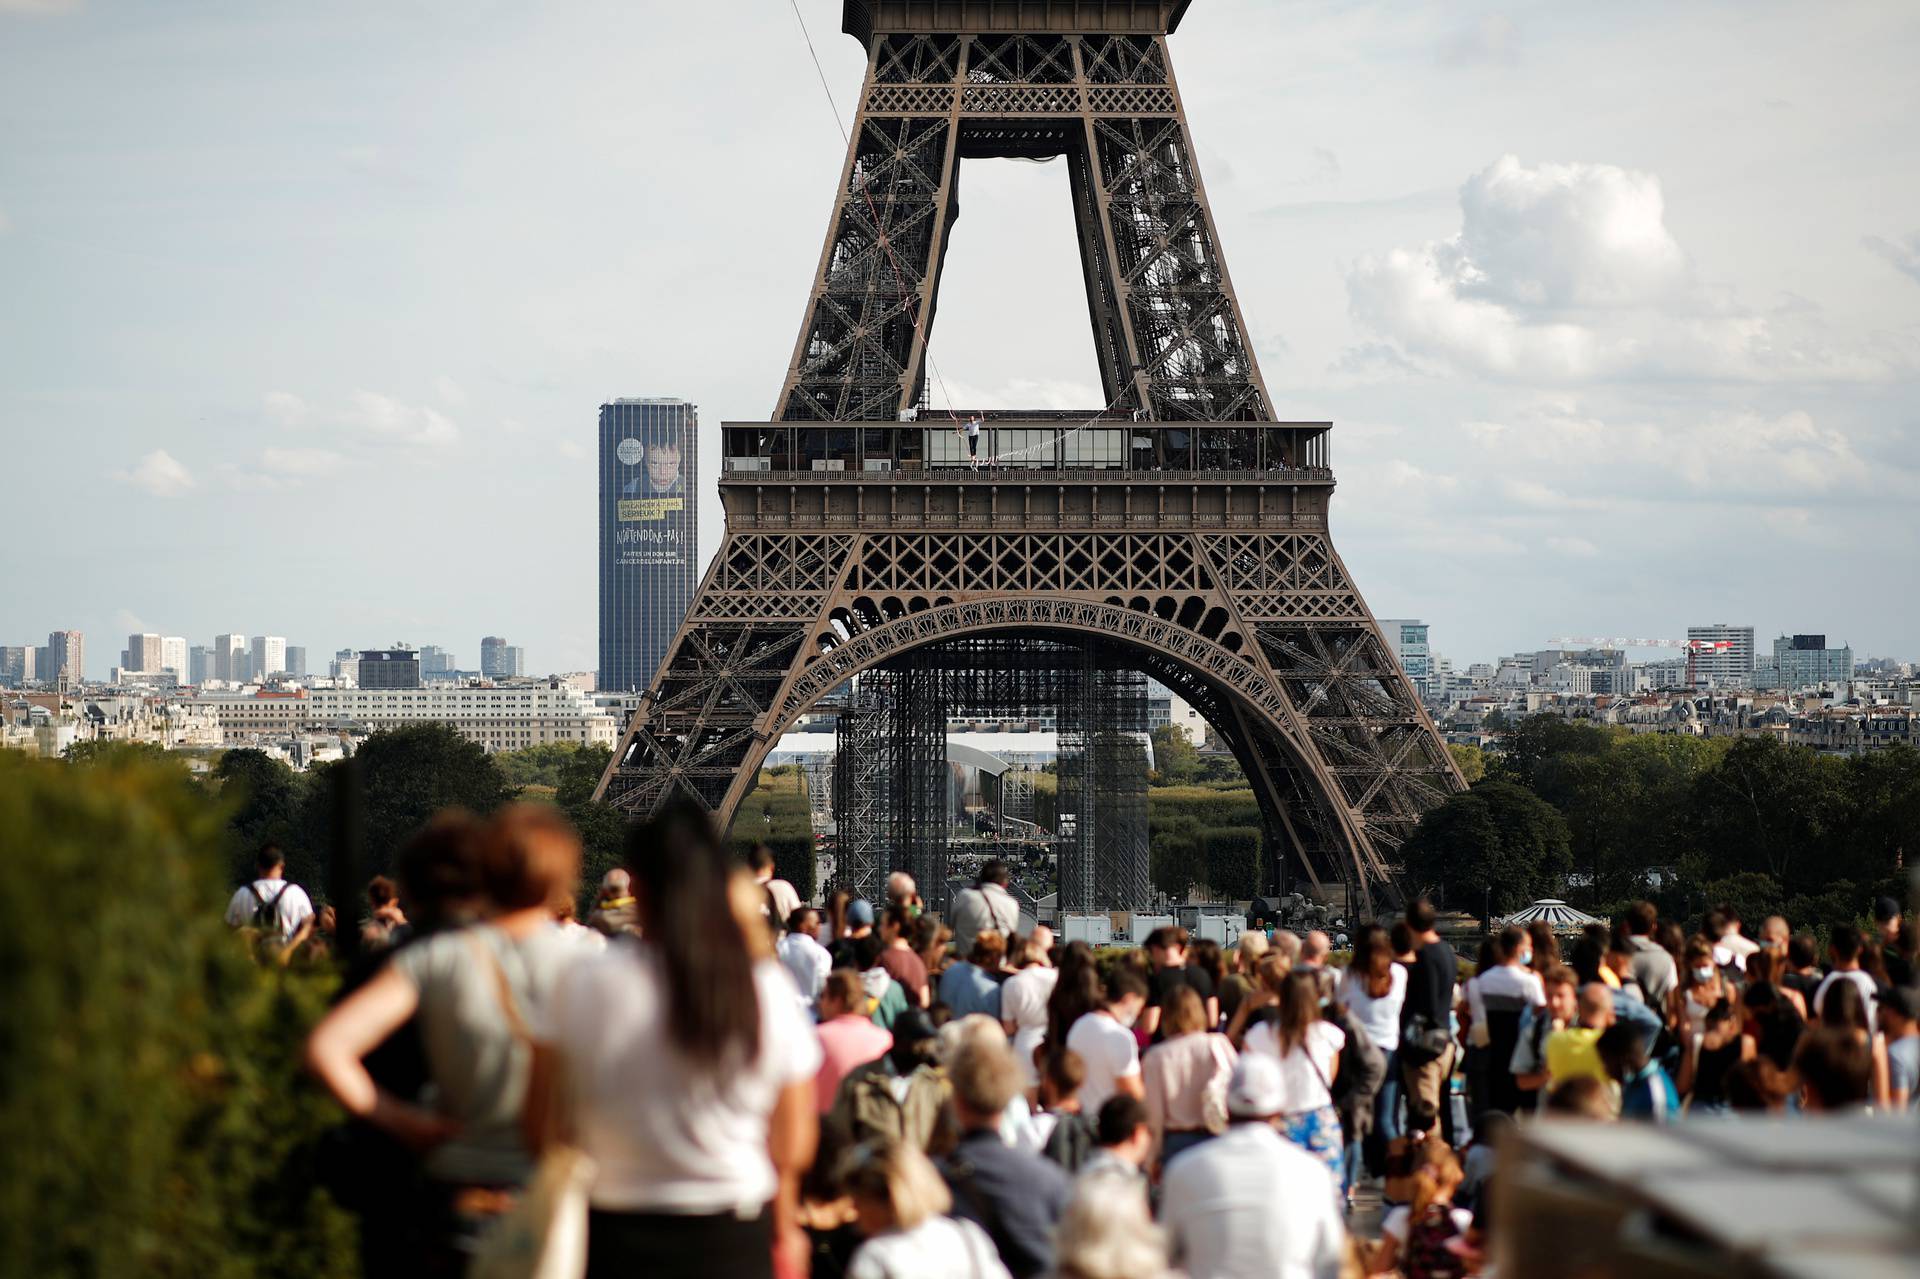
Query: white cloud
point(573, 449)
point(1555, 236)
point(1538, 496)
point(449, 390)
point(1903, 252)
point(1578, 547)
point(288, 410)
point(1568, 273)
point(39, 6)
point(388, 418)
point(158, 473)
point(1402, 474)
point(1736, 456)
point(300, 461)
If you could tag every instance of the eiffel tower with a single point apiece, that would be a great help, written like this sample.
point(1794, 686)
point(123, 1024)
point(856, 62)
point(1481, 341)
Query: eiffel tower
point(1182, 526)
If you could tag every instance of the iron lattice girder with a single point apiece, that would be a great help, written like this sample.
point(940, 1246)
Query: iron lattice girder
point(1261, 628)
point(1341, 723)
point(1169, 334)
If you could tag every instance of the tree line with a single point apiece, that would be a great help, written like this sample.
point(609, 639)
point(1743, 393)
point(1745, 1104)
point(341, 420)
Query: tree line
point(1600, 816)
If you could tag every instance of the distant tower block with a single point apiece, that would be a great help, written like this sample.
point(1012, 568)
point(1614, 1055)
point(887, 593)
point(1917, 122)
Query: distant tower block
point(1182, 523)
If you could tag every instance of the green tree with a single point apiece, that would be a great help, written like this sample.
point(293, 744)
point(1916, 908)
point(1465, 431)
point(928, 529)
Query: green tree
point(1218, 768)
point(1174, 859)
point(264, 799)
point(1490, 850)
point(1881, 819)
point(1469, 759)
point(109, 752)
point(777, 813)
point(157, 1119)
point(1232, 858)
point(413, 772)
point(1174, 757)
point(542, 765)
point(1753, 893)
point(1774, 808)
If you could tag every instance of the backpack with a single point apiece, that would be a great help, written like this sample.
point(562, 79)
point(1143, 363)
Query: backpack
point(1071, 1142)
point(266, 910)
point(1428, 1256)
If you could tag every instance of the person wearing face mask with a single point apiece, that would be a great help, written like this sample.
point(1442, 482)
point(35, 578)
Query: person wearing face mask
point(1701, 989)
point(1499, 1000)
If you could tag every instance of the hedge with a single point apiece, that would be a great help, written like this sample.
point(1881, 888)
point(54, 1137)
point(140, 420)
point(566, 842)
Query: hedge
point(157, 1120)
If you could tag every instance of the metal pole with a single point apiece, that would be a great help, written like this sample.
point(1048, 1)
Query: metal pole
point(344, 856)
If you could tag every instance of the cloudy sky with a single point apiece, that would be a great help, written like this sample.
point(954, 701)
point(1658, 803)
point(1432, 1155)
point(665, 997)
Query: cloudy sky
point(308, 309)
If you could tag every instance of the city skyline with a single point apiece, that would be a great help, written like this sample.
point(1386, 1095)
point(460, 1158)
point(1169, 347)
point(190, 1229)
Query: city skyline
point(1764, 637)
point(1603, 353)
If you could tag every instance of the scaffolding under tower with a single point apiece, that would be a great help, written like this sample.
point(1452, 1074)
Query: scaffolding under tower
point(892, 782)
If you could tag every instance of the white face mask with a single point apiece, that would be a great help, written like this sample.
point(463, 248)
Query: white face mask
point(1524, 958)
point(1126, 1018)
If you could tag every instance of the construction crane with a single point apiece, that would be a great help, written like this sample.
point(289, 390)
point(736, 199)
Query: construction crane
point(1694, 647)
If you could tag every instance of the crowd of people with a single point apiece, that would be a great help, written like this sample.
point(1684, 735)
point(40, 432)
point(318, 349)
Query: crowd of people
point(767, 1087)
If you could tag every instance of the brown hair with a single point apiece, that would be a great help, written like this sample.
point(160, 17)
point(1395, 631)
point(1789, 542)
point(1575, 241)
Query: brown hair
point(989, 950)
point(844, 989)
point(1064, 1071)
point(1299, 1009)
point(1273, 971)
point(1546, 946)
point(1561, 975)
point(529, 855)
point(380, 891)
point(1435, 1178)
point(1167, 936)
point(1582, 1097)
point(1183, 1014)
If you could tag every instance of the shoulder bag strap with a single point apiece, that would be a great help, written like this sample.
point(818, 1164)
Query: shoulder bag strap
point(503, 989)
point(1306, 1051)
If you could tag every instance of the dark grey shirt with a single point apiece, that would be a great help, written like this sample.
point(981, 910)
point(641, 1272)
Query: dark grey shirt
point(1653, 968)
point(1015, 1196)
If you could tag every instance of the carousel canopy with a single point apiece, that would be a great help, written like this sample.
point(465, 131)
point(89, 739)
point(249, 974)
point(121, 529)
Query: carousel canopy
point(1560, 917)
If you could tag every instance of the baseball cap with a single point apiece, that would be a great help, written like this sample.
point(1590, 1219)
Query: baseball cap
point(1884, 908)
point(860, 913)
point(1256, 1090)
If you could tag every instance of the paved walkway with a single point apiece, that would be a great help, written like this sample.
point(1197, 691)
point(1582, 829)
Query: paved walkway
point(1365, 1210)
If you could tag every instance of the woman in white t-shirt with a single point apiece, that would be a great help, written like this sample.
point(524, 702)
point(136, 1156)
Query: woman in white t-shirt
point(687, 1067)
point(1308, 1049)
point(1104, 1039)
point(1023, 1001)
point(901, 1202)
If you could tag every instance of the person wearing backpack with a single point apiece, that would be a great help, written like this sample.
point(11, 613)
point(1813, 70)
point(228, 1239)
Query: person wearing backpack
point(270, 905)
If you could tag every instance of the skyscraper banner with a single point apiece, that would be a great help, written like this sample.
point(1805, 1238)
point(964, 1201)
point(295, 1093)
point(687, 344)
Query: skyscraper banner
point(651, 507)
point(648, 532)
